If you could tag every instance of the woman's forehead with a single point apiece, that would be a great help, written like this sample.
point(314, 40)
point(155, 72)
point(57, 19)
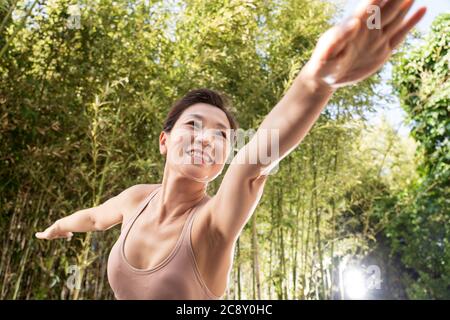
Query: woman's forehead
point(207, 113)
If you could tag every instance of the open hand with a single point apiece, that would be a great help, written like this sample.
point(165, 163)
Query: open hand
point(354, 50)
point(53, 232)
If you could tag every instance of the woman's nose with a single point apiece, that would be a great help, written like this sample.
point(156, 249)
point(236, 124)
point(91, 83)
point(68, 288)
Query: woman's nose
point(205, 136)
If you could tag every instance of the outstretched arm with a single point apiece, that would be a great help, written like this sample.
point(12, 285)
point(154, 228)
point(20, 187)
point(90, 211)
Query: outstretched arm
point(345, 54)
point(99, 218)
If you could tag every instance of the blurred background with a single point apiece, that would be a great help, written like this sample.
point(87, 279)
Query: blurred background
point(358, 211)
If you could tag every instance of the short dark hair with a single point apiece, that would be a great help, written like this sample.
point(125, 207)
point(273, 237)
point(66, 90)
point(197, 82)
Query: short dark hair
point(201, 95)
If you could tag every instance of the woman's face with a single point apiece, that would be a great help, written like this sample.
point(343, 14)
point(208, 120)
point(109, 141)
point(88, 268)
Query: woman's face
point(199, 143)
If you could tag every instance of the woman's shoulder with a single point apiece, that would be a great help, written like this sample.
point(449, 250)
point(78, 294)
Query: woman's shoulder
point(134, 195)
point(140, 191)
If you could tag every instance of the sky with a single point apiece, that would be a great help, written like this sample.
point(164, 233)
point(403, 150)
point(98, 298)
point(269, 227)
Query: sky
point(394, 113)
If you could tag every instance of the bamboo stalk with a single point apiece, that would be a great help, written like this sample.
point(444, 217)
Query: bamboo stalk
point(255, 257)
point(21, 25)
point(8, 14)
point(83, 259)
point(27, 250)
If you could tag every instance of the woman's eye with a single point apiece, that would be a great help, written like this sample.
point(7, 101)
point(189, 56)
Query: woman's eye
point(193, 123)
point(221, 133)
point(196, 124)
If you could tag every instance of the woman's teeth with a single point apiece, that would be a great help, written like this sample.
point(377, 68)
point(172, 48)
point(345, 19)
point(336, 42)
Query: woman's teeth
point(199, 155)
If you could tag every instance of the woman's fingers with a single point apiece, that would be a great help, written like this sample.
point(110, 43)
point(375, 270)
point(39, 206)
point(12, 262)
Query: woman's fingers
point(38, 235)
point(390, 10)
point(47, 236)
point(406, 27)
point(50, 234)
point(41, 235)
point(362, 11)
point(390, 28)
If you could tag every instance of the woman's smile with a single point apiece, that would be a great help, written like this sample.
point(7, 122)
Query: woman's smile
point(199, 156)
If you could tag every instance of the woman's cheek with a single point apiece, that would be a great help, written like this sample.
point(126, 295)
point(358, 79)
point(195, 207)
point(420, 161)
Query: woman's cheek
point(180, 135)
point(177, 146)
point(219, 154)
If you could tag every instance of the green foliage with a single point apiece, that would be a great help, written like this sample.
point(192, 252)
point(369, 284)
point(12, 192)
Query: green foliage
point(420, 232)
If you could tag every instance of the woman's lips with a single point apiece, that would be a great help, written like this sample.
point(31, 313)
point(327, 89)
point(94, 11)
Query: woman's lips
point(202, 156)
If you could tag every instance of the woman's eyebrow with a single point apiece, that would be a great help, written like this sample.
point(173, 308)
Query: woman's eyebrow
point(199, 117)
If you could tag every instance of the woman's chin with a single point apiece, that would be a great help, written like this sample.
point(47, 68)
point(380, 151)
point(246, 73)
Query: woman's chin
point(195, 169)
point(195, 172)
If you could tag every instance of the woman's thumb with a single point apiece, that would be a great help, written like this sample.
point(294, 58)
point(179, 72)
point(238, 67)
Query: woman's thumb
point(69, 235)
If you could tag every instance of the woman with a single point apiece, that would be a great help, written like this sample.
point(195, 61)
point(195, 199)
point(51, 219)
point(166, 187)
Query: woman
point(176, 241)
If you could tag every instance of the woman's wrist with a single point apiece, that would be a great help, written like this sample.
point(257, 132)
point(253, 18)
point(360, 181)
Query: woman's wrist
point(310, 77)
point(58, 227)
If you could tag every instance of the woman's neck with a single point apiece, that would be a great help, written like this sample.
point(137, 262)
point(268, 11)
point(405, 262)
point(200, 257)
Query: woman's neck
point(176, 196)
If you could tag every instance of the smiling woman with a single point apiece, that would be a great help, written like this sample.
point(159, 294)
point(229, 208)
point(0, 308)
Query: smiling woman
point(200, 130)
point(198, 122)
point(143, 263)
point(176, 241)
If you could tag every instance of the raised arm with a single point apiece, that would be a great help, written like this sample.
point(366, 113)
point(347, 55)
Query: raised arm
point(345, 54)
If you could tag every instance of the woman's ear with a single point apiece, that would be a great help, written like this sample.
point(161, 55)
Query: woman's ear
point(163, 143)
